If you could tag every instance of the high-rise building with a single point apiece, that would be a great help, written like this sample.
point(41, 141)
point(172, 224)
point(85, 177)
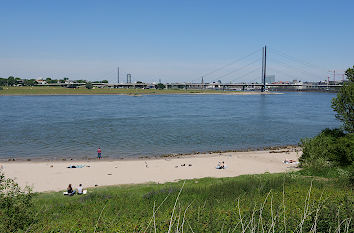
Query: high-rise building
point(270, 79)
point(129, 78)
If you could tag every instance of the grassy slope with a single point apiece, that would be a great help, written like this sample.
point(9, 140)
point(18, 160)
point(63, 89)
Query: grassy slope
point(84, 91)
point(213, 205)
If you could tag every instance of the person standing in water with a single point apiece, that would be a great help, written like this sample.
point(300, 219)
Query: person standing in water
point(99, 153)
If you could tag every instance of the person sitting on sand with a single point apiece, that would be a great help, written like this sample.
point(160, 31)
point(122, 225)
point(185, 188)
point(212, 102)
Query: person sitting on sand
point(219, 165)
point(222, 165)
point(289, 161)
point(70, 190)
point(80, 190)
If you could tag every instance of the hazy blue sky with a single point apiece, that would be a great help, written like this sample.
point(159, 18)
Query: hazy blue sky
point(175, 40)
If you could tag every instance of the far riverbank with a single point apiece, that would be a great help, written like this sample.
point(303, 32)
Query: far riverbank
point(20, 91)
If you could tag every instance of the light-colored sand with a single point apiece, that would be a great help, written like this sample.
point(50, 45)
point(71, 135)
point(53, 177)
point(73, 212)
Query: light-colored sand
point(55, 176)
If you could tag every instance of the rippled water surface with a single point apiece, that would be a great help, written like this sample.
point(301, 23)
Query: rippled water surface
point(125, 126)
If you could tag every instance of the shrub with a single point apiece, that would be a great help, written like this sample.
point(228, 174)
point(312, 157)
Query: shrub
point(160, 86)
point(330, 147)
point(89, 85)
point(15, 206)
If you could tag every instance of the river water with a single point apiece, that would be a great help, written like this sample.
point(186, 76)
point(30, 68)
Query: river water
point(129, 126)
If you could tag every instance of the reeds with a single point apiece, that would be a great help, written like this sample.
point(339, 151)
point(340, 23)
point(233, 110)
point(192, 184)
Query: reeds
point(256, 221)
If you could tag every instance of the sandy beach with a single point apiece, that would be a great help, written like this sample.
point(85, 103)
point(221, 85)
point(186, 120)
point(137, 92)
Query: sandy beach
point(45, 176)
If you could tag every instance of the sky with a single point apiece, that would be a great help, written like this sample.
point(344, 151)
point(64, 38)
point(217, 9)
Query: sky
point(176, 41)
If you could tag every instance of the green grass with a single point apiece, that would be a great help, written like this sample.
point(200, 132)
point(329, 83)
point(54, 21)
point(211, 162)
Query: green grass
point(96, 91)
point(251, 202)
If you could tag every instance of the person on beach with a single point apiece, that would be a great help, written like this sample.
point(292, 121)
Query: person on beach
point(80, 190)
point(99, 153)
point(70, 190)
point(220, 165)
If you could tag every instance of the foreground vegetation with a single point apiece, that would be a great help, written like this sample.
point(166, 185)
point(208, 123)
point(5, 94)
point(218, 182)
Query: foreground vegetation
point(251, 203)
point(96, 91)
point(331, 153)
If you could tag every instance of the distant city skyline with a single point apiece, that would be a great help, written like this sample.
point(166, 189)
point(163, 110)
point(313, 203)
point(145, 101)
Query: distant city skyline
point(176, 41)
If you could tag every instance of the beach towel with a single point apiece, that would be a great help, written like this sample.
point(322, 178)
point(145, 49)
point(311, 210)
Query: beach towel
point(76, 166)
point(83, 192)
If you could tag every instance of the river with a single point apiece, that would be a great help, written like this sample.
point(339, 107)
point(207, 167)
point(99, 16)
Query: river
point(133, 126)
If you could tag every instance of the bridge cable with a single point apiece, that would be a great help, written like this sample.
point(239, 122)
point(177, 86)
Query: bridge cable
point(240, 68)
point(245, 75)
point(231, 63)
point(299, 69)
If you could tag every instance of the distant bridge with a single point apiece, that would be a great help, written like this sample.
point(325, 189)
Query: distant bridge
point(237, 84)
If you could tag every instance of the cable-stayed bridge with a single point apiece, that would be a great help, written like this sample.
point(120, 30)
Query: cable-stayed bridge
point(250, 72)
point(247, 72)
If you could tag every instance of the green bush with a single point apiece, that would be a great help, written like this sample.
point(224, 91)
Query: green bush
point(16, 212)
point(160, 86)
point(332, 147)
point(89, 85)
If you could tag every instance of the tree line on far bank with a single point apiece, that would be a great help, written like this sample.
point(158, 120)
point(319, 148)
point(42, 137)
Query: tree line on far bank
point(16, 81)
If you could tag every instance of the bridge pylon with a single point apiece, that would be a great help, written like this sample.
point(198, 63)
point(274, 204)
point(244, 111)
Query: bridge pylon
point(264, 67)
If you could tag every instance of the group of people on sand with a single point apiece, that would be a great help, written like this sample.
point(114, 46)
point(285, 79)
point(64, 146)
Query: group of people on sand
point(71, 191)
point(220, 165)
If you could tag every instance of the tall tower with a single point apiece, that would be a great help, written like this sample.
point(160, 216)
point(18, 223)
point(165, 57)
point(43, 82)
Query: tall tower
point(118, 74)
point(129, 78)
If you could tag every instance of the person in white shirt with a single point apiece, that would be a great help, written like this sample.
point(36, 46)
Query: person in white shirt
point(80, 189)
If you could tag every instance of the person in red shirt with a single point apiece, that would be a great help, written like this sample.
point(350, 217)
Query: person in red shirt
point(99, 153)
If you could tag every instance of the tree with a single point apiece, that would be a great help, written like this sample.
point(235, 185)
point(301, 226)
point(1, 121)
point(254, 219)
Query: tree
point(11, 81)
point(104, 81)
point(160, 86)
point(80, 81)
point(343, 104)
point(29, 82)
point(350, 74)
point(3, 82)
point(89, 85)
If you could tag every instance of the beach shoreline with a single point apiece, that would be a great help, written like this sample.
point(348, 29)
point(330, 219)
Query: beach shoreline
point(45, 176)
point(134, 158)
